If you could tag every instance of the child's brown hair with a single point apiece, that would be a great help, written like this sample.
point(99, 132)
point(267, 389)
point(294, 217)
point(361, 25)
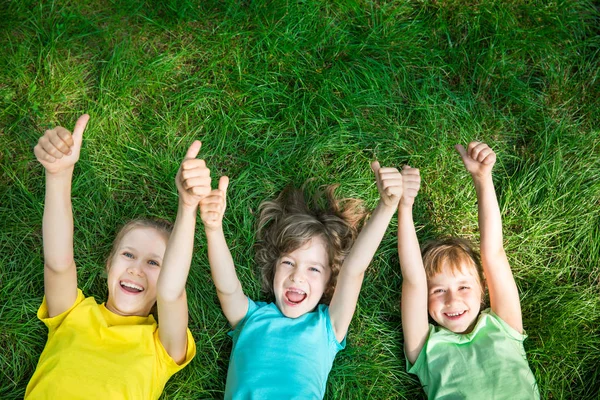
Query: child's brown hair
point(289, 222)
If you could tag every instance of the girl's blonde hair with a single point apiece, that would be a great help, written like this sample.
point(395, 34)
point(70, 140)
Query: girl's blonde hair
point(456, 253)
point(289, 222)
point(162, 226)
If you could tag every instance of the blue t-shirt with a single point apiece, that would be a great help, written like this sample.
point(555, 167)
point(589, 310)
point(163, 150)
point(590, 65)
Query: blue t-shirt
point(276, 357)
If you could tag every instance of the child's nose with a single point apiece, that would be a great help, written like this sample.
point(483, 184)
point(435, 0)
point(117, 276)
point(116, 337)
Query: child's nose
point(135, 270)
point(449, 297)
point(297, 277)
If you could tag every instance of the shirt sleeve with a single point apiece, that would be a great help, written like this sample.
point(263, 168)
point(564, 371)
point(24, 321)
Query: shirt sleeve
point(54, 322)
point(252, 307)
point(416, 367)
point(324, 310)
point(510, 331)
point(170, 364)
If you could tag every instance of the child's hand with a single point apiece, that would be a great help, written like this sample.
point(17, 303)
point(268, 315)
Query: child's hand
point(58, 149)
point(193, 177)
point(389, 184)
point(411, 183)
point(212, 207)
point(479, 158)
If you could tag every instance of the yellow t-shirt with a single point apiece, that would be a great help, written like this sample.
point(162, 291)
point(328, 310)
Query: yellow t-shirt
point(92, 353)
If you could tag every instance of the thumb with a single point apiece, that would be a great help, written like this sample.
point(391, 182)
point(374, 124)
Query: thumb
point(375, 167)
point(461, 150)
point(79, 128)
point(223, 184)
point(194, 149)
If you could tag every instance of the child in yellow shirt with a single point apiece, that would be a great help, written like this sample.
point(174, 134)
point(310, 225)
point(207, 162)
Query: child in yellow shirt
point(114, 350)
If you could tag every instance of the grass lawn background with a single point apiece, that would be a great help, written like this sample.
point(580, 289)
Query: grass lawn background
point(281, 92)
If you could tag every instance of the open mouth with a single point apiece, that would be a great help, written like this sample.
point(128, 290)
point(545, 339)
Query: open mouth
point(455, 315)
point(131, 287)
point(294, 296)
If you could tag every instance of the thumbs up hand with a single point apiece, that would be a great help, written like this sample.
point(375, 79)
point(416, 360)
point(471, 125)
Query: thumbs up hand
point(479, 158)
point(212, 207)
point(389, 184)
point(58, 149)
point(193, 177)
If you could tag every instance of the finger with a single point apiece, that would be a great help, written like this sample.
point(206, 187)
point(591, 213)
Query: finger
point(390, 175)
point(387, 170)
point(79, 128)
point(195, 172)
point(49, 148)
point(483, 153)
point(57, 141)
point(392, 182)
point(489, 158)
point(199, 190)
point(212, 207)
point(41, 154)
point(471, 146)
point(201, 182)
point(194, 149)
point(223, 184)
point(191, 163)
point(65, 135)
point(476, 151)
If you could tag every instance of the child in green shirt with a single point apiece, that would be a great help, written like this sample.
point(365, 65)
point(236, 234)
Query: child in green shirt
point(471, 354)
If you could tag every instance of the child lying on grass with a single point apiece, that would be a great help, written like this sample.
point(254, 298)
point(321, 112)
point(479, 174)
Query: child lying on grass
point(470, 354)
point(114, 350)
point(313, 266)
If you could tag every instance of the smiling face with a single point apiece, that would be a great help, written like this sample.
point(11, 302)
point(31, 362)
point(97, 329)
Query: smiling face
point(133, 272)
point(455, 297)
point(301, 278)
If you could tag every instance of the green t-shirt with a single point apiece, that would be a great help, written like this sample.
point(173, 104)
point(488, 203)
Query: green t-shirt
point(487, 363)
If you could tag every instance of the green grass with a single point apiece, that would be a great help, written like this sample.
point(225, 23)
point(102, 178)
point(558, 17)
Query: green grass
point(284, 91)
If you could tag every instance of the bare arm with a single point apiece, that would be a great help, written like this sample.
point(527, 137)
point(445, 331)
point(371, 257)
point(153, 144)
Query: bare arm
point(193, 182)
point(415, 325)
point(345, 296)
point(234, 302)
point(58, 151)
point(504, 295)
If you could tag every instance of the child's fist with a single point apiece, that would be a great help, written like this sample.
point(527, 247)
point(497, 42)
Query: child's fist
point(478, 158)
point(193, 177)
point(212, 207)
point(389, 184)
point(58, 149)
point(411, 182)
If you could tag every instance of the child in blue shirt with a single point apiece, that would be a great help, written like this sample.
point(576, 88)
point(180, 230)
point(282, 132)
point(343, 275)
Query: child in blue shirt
point(471, 354)
point(313, 266)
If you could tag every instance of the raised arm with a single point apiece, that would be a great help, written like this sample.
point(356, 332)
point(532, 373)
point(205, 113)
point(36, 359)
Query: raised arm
point(234, 302)
point(193, 182)
point(352, 272)
point(415, 324)
point(58, 151)
point(479, 160)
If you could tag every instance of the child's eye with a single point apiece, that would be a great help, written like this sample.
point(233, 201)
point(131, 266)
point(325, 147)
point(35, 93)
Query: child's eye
point(286, 262)
point(464, 287)
point(437, 291)
point(154, 263)
point(128, 254)
point(314, 269)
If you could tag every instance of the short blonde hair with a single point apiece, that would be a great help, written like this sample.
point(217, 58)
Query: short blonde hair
point(290, 221)
point(455, 253)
